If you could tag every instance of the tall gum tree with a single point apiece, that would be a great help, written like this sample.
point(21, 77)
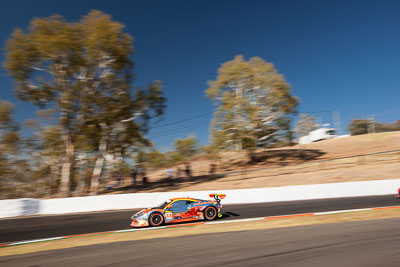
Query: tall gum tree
point(45, 148)
point(119, 132)
point(78, 69)
point(9, 148)
point(252, 100)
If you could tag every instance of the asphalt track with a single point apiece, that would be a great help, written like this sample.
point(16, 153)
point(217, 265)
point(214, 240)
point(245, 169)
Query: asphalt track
point(37, 227)
point(364, 243)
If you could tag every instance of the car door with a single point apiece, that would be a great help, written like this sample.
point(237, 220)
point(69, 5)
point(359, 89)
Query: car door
point(178, 208)
point(191, 210)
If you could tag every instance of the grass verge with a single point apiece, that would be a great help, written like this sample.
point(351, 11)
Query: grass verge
point(200, 229)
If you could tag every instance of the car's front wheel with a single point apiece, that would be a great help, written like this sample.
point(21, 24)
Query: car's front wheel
point(210, 213)
point(156, 219)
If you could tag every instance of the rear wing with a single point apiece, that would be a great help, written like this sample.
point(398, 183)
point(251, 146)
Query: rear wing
point(218, 197)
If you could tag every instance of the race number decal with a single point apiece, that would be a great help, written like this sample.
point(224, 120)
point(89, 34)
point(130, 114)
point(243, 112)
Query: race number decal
point(168, 215)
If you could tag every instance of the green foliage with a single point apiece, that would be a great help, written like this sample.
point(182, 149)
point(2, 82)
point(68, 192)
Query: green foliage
point(186, 147)
point(252, 101)
point(9, 149)
point(123, 169)
point(211, 152)
point(364, 126)
point(9, 134)
point(83, 71)
point(156, 159)
point(359, 126)
point(46, 138)
point(383, 127)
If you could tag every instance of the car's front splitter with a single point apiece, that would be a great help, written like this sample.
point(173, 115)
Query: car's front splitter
point(139, 223)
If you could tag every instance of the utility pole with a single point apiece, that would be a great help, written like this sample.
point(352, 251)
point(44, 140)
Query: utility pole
point(371, 124)
point(319, 121)
point(336, 121)
point(239, 122)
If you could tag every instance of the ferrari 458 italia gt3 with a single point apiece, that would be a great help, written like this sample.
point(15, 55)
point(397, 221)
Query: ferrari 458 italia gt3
point(179, 210)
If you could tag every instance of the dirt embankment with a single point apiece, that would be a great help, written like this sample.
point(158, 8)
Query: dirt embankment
point(297, 165)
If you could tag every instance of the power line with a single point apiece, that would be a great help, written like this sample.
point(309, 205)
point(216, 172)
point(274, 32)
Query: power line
point(316, 112)
point(387, 112)
point(175, 131)
point(176, 122)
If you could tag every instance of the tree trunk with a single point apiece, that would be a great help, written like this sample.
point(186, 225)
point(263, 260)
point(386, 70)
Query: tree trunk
point(55, 174)
point(94, 182)
point(238, 146)
point(66, 171)
point(80, 187)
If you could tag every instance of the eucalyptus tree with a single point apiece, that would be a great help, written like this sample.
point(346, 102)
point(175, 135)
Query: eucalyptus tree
point(252, 100)
point(45, 148)
point(9, 148)
point(123, 124)
point(79, 69)
point(186, 147)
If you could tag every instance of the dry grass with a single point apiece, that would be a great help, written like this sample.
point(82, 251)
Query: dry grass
point(295, 171)
point(200, 229)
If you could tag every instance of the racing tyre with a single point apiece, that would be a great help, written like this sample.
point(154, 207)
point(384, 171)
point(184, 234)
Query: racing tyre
point(156, 219)
point(210, 213)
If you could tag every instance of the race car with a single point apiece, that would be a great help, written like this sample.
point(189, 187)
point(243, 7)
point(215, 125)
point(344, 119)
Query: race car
point(398, 193)
point(179, 210)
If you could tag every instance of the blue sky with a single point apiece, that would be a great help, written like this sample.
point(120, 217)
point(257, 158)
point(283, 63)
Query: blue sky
point(337, 55)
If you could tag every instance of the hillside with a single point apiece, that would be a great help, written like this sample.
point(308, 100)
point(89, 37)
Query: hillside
point(309, 164)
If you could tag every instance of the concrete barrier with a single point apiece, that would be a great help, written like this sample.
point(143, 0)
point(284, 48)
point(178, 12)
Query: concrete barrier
point(19, 207)
point(9, 208)
point(235, 196)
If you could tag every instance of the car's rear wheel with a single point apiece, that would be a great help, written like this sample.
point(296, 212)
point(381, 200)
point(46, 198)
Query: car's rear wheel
point(210, 213)
point(156, 219)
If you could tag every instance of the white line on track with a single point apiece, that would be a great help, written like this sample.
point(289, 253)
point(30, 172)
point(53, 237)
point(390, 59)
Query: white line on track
point(139, 229)
point(37, 240)
point(238, 220)
point(340, 211)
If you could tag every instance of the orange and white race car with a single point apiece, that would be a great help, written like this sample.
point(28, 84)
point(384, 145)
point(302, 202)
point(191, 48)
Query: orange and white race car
point(179, 210)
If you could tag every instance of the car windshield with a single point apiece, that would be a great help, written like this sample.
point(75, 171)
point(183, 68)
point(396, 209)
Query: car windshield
point(162, 205)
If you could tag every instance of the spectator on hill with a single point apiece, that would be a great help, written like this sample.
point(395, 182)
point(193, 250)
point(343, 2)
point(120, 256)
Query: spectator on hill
point(170, 175)
point(212, 168)
point(118, 178)
point(188, 171)
point(134, 176)
point(144, 177)
point(178, 172)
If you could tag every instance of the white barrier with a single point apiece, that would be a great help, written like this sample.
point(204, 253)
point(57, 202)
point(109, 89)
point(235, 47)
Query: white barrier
point(19, 207)
point(235, 196)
